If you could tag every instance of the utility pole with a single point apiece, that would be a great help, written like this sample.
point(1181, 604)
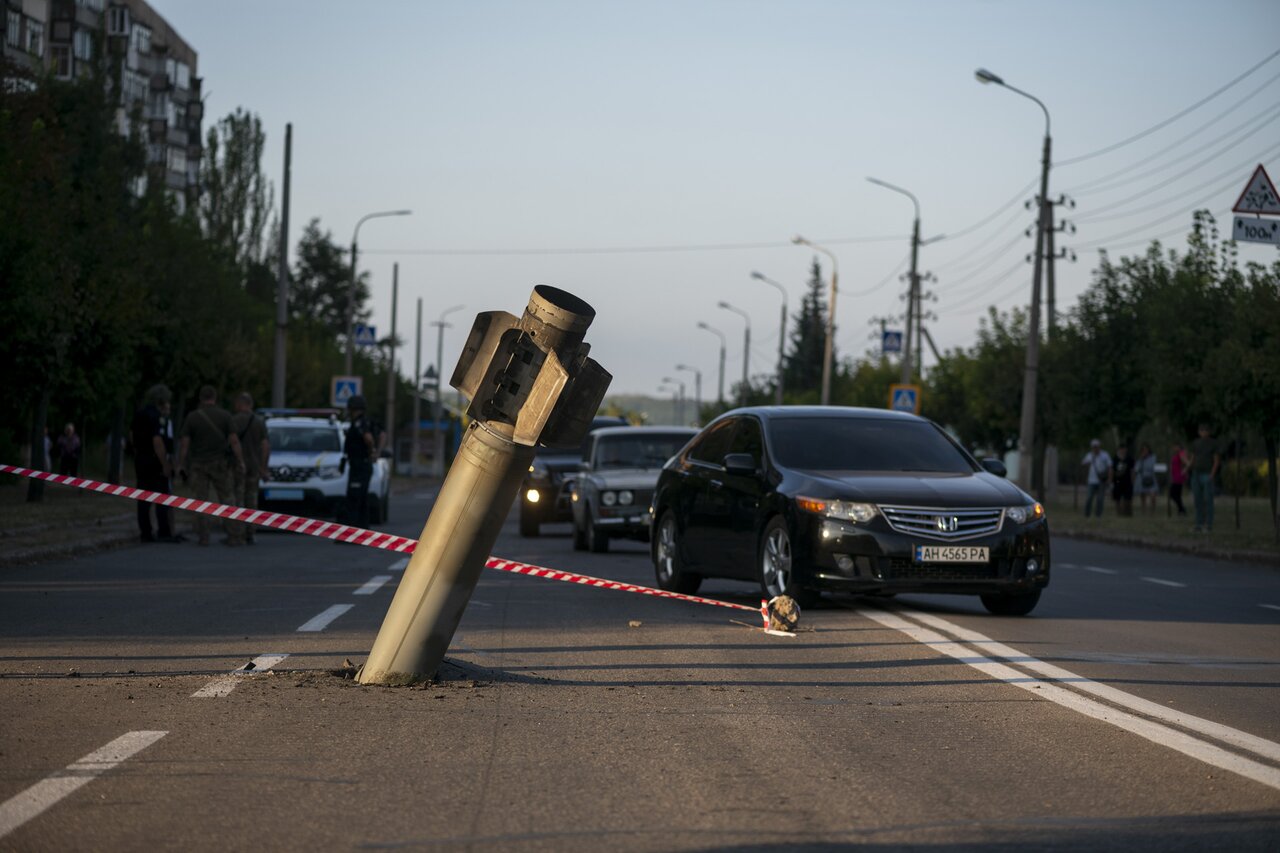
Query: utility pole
point(437, 444)
point(417, 394)
point(282, 282)
point(1027, 422)
point(391, 364)
point(1052, 254)
point(723, 343)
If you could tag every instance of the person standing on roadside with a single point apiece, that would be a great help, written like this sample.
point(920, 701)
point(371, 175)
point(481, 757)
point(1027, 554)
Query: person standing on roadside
point(251, 432)
point(359, 447)
point(1206, 458)
point(211, 443)
point(69, 451)
point(1099, 464)
point(152, 465)
point(1177, 476)
point(1122, 481)
point(1144, 479)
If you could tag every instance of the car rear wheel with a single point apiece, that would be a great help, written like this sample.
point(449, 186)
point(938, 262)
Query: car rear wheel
point(1011, 603)
point(667, 564)
point(777, 567)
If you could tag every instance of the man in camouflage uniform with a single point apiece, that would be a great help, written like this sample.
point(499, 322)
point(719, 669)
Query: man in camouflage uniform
point(251, 432)
point(211, 442)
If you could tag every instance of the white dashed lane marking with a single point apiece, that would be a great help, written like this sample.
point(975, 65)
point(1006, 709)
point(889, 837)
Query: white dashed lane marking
point(1270, 606)
point(374, 584)
point(224, 684)
point(399, 565)
point(320, 622)
point(22, 807)
point(1100, 570)
point(1164, 582)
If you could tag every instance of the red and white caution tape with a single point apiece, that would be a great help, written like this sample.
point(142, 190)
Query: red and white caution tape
point(352, 535)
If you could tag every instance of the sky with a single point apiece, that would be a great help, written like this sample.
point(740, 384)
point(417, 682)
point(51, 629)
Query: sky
point(649, 156)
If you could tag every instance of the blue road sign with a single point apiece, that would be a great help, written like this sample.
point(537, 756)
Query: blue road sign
point(366, 336)
point(891, 341)
point(343, 388)
point(905, 398)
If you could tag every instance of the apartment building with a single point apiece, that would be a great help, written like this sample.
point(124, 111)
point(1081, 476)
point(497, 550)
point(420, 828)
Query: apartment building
point(159, 92)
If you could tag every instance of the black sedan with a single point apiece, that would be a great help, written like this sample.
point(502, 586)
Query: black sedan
point(809, 499)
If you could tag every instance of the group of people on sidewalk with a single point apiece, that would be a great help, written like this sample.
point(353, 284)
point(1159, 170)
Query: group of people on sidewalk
point(216, 451)
point(1126, 476)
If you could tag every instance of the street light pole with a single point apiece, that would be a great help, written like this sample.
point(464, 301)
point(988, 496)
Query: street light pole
point(417, 394)
point(746, 349)
point(680, 407)
point(391, 364)
point(913, 290)
point(351, 290)
point(831, 317)
point(720, 335)
point(437, 454)
point(675, 399)
point(782, 333)
point(1027, 423)
point(697, 391)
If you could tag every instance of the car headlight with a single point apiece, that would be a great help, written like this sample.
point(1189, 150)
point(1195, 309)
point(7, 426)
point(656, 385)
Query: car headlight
point(859, 513)
point(330, 472)
point(1023, 514)
point(626, 497)
point(608, 498)
point(539, 471)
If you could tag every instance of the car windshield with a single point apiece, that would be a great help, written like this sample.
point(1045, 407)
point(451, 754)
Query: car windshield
point(864, 444)
point(637, 451)
point(295, 439)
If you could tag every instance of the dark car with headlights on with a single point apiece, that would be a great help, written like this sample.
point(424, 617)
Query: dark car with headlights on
point(803, 500)
point(615, 482)
point(548, 486)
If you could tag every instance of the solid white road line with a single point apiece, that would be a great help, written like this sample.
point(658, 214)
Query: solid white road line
point(1270, 606)
point(1100, 570)
point(399, 565)
point(320, 622)
point(224, 684)
point(1155, 732)
point(22, 807)
point(374, 584)
point(1164, 582)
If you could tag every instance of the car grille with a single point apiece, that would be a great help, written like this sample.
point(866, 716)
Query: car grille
point(937, 523)
point(907, 570)
point(291, 474)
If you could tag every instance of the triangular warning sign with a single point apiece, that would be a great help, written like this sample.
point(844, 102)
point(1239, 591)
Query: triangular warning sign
point(1259, 195)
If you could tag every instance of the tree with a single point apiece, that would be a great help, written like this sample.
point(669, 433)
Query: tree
point(803, 367)
point(322, 282)
point(236, 198)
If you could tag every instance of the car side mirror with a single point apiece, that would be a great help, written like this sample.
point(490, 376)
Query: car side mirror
point(740, 464)
point(995, 466)
point(584, 466)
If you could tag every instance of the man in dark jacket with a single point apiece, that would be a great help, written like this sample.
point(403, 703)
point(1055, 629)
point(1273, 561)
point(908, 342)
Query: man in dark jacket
point(151, 463)
point(359, 447)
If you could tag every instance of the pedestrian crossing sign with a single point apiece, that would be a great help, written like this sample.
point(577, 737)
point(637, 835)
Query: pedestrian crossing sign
point(366, 336)
point(343, 388)
point(890, 341)
point(905, 398)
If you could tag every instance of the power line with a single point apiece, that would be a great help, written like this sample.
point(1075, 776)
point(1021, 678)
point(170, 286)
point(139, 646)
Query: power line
point(1101, 184)
point(888, 278)
point(953, 235)
point(1171, 119)
point(636, 250)
point(1234, 170)
point(1021, 264)
point(960, 260)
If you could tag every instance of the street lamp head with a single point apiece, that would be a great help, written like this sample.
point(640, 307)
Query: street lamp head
point(723, 304)
point(799, 241)
point(985, 76)
point(702, 325)
point(757, 275)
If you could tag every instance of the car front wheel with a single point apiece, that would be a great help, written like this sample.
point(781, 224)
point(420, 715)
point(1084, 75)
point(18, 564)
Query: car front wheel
point(667, 564)
point(1011, 603)
point(777, 566)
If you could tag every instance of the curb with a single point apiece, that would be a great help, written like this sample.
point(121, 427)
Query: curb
point(1190, 549)
point(31, 556)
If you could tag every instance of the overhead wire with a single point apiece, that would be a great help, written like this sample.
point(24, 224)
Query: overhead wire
point(1160, 125)
point(1234, 170)
point(1104, 182)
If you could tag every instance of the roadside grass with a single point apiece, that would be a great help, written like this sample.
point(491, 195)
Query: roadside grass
point(64, 517)
point(1165, 527)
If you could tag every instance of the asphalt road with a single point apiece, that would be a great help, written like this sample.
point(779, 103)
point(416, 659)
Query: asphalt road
point(1137, 708)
